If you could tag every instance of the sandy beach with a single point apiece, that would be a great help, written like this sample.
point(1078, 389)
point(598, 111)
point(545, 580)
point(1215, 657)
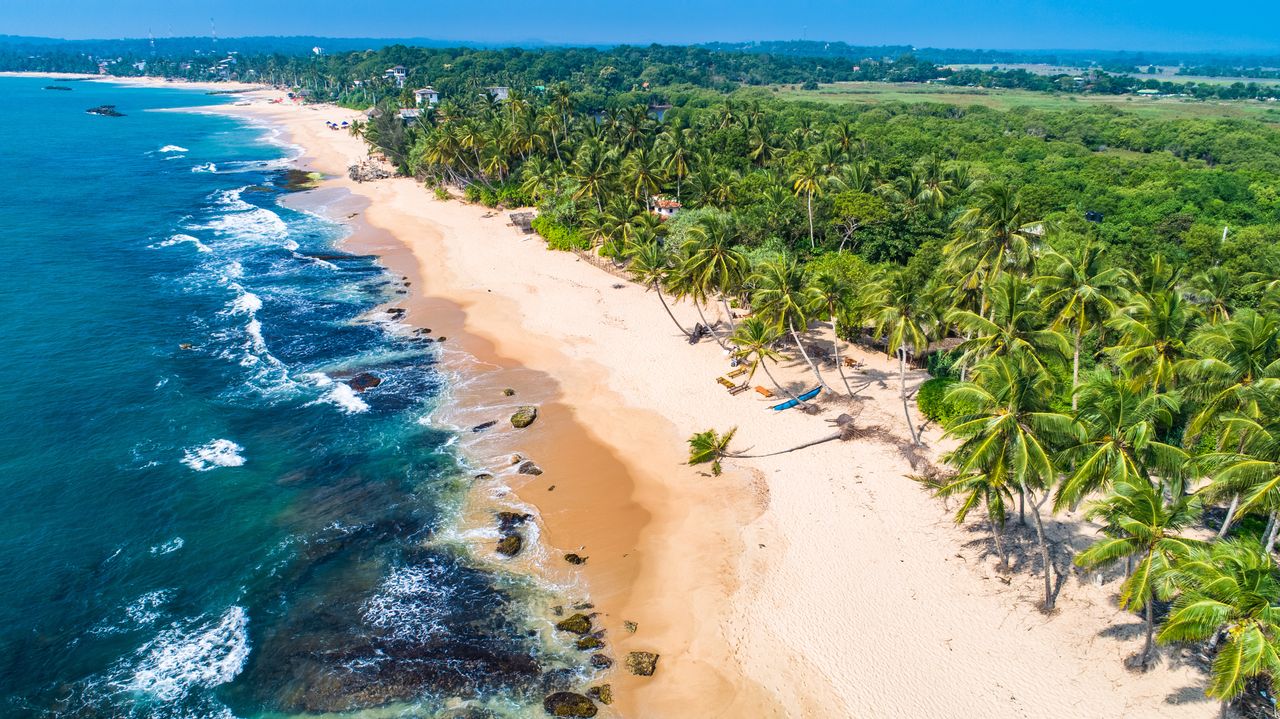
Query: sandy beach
point(820, 583)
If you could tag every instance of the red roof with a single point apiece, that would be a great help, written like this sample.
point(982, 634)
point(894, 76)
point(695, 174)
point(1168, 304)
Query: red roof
point(667, 204)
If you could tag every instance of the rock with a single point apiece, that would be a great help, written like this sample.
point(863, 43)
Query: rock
point(396, 312)
point(590, 641)
point(510, 545)
point(364, 381)
point(105, 110)
point(368, 170)
point(528, 467)
point(572, 558)
point(630, 626)
point(602, 693)
point(441, 338)
point(642, 664)
point(484, 425)
point(524, 417)
point(516, 459)
point(483, 476)
point(508, 392)
point(508, 521)
point(575, 624)
point(600, 661)
point(558, 610)
point(584, 605)
point(569, 704)
point(185, 346)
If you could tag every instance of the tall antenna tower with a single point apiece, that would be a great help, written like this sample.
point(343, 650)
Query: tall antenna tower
point(151, 40)
point(213, 30)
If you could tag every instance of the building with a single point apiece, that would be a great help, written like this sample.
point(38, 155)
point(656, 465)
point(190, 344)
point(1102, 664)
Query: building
point(426, 96)
point(410, 117)
point(665, 207)
point(499, 93)
point(396, 74)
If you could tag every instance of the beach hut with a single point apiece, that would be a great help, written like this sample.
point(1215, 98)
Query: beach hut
point(665, 207)
point(410, 117)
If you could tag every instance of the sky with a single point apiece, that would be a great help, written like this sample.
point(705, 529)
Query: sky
point(1188, 25)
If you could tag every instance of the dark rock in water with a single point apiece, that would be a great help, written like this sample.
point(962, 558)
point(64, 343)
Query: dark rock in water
point(524, 417)
point(467, 713)
point(57, 87)
point(508, 521)
point(105, 111)
point(568, 704)
point(364, 381)
point(185, 346)
point(516, 459)
point(296, 180)
point(572, 558)
point(590, 641)
point(602, 693)
point(482, 476)
point(630, 626)
point(528, 467)
point(422, 331)
point(575, 624)
point(601, 661)
point(583, 606)
point(510, 545)
point(642, 664)
point(484, 425)
point(558, 610)
point(508, 392)
point(397, 312)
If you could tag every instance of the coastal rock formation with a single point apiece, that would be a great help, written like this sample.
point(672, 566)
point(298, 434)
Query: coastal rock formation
point(630, 626)
point(591, 641)
point(484, 425)
point(642, 664)
point(575, 624)
point(508, 392)
point(364, 381)
point(602, 693)
point(482, 476)
point(524, 416)
point(105, 111)
point(601, 661)
point(572, 558)
point(569, 704)
point(368, 171)
point(528, 467)
point(510, 545)
point(508, 521)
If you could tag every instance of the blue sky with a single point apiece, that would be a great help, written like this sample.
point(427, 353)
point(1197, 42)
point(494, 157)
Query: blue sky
point(1233, 26)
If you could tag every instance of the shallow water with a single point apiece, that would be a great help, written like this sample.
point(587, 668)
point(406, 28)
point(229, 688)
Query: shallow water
point(201, 518)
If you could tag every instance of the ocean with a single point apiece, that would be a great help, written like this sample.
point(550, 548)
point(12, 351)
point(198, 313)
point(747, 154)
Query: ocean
point(201, 518)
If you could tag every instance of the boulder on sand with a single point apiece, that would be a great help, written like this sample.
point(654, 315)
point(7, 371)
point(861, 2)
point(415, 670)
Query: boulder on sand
point(602, 693)
point(510, 545)
point(528, 467)
point(575, 624)
point(524, 416)
point(569, 704)
point(642, 664)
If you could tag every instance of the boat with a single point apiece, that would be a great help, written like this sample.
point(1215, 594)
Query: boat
point(803, 398)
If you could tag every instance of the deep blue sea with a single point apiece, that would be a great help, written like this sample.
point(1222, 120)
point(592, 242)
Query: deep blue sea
point(199, 517)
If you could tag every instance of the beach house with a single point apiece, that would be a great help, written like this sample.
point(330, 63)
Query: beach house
point(396, 74)
point(410, 117)
point(665, 207)
point(426, 96)
point(499, 93)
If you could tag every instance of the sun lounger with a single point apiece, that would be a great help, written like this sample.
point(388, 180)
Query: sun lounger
point(738, 372)
point(739, 389)
point(764, 392)
point(727, 383)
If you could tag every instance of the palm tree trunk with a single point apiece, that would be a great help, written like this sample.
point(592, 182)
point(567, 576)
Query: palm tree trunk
point(728, 313)
point(839, 364)
point(1075, 371)
point(796, 336)
point(1044, 554)
point(1271, 535)
point(781, 389)
point(706, 324)
point(1231, 512)
point(658, 289)
point(997, 532)
point(902, 381)
point(1022, 506)
point(798, 447)
point(811, 243)
point(1151, 630)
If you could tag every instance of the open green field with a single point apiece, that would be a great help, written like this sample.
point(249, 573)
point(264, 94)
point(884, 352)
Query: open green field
point(1165, 73)
point(1000, 99)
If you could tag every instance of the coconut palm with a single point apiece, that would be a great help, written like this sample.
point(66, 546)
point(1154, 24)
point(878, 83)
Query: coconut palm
point(1236, 364)
point(710, 446)
point(675, 149)
point(786, 300)
point(1250, 475)
point(1152, 330)
point(1120, 423)
point(996, 235)
point(642, 175)
point(1211, 290)
point(754, 339)
point(1141, 523)
point(835, 295)
point(1229, 595)
point(807, 179)
point(1007, 443)
point(713, 260)
point(905, 322)
point(651, 266)
point(1013, 327)
point(1080, 291)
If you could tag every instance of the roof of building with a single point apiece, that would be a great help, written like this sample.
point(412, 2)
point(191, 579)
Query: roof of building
point(667, 203)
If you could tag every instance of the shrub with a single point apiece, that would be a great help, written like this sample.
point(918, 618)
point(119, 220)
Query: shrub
point(472, 193)
point(442, 193)
point(559, 237)
point(933, 402)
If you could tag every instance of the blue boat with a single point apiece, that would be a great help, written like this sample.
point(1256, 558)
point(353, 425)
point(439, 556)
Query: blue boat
point(803, 398)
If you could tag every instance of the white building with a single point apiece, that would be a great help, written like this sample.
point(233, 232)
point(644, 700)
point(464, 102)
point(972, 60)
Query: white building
point(410, 117)
point(500, 93)
point(665, 207)
point(426, 96)
point(396, 74)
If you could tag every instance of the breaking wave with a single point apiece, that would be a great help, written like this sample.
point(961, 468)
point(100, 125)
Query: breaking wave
point(218, 453)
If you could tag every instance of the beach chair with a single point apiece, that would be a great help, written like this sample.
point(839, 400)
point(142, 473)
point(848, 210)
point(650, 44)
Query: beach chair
point(764, 392)
point(738, 372)
point(727, 383)
point(739, 389)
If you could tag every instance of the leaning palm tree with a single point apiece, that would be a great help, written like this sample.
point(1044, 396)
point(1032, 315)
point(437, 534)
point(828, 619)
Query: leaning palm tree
point(710, 446)
point(785, 299)
point(996, 235)
point(713, 260)
point(755, 339)
point(1229, 595)
point(1141, 522)
point(905, 322)
point(1121, 423)
point(1080, 291)
point(1007, 442)
point(835, 295)
point(651, 266)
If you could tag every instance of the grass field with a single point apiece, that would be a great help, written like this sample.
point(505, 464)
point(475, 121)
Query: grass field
point(998, 99)
point(1165, 73)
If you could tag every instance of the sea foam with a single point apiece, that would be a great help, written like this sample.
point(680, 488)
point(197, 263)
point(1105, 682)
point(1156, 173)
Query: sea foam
point(179, 239)
point(182, 658)
point(173, 148)
point(339, 394)
point(218, 453)
point(411, 604)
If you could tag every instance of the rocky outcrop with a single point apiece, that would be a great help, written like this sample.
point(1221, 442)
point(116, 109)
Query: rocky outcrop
point(510, 545)
point(528, 467)
point(364, 381)
point(508, 521)
point(484, 425)
point(642, 664)
point(105, 111)
point(572, 558)
point(591, 641)
point(569, 704)
point(508, 392)
point(575, 624)
point(368, 171)
point(524, 416)
point(600, 661)
point(630, 626)
point(602, 693)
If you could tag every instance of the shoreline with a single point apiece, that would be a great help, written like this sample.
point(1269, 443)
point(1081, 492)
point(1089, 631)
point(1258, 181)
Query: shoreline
point(822, 583)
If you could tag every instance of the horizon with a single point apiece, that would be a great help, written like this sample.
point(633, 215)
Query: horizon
point(1092, 25)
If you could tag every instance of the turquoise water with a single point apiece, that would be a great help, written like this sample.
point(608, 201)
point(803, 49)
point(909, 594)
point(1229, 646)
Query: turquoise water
point(200, 518)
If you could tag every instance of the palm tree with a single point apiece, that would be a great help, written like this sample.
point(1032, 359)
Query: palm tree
point(1080, 291)
point(806, 180)
point(1140, 522)
point(1120, 424)
point(1211, 290)
point(1236, 365)
point(712, 259)
point(1152, 331)
point(995, 235)
point(1229, 594)
point(755, 339)
point(1251, 475)
point(1012, 328)
point(643, 175)
point(710, 447)
point(1007, 442)
point(651, 266)
point(835, 295)
point(784, 299)
point(674, 145)
point(905, 322)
